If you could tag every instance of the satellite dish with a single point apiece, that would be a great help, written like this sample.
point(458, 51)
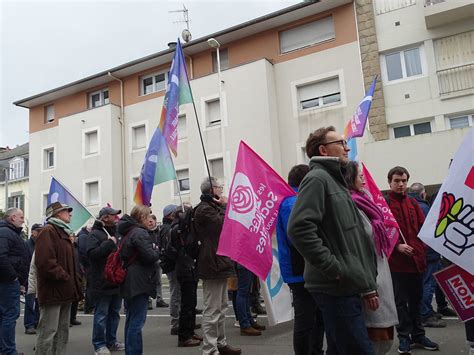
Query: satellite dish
point(186, 35)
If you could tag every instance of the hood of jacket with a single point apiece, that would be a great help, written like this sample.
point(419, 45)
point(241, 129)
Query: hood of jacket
point(331, 164)
point(5, 223)
point(125, 224)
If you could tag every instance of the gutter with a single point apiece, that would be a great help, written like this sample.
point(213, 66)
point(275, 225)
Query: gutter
point(122, 143)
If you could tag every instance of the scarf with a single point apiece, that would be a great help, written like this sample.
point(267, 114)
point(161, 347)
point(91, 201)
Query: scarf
point(376, 218)
point(61, 224)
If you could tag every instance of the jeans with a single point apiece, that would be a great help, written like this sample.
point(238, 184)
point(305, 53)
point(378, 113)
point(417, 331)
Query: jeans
point(245, 278)
point(31, 311)
point(429, 286)
point(136, 316)
point(159, 290)
point(187, 315)
point(106, 320)
point(175, 299)
point(9, 313)
point(308, 327)
point(408, 290)
point(346, 333)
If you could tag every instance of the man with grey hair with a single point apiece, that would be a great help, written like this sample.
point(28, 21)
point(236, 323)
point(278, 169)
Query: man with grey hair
point(430, 318)
point(13, 274)
point(212, 268)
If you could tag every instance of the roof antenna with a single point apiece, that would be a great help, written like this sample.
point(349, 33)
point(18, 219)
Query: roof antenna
point(186, 34)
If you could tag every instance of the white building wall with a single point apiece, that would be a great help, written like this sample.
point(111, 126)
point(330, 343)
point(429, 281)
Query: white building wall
point(71, 167)
point(426, 156)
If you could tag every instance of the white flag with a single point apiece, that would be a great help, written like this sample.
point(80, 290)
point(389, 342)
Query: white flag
point(276, 293)
point(449, 227)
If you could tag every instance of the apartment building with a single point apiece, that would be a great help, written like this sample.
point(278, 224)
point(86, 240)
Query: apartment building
point(282, 76)
point(14, 169)
point(426, 62)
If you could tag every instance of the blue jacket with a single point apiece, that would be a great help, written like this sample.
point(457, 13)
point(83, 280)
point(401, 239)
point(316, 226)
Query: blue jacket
point(431, 255)
point(13, 254)
point(290, 260)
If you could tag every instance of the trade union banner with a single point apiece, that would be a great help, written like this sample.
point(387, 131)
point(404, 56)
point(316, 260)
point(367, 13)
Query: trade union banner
point(254, 199)
point(458, 285)
point(449, 226)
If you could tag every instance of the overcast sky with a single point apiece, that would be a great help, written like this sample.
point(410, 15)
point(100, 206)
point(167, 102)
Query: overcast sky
point(48, 44)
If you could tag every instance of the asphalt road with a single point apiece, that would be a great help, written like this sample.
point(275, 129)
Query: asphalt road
point(275, 341)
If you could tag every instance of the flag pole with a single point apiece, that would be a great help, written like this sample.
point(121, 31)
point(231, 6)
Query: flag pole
point(198, 125)
point(177, 183)
point(65, 188)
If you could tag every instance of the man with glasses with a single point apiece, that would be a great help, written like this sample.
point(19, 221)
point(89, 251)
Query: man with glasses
point(328, 231)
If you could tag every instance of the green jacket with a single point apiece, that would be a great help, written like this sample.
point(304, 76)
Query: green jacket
point(327, 229)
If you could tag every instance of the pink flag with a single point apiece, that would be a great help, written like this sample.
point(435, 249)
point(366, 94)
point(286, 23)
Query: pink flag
point(390, 222)
point(254, 199)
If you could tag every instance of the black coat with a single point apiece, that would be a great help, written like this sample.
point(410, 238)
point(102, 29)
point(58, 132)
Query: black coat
point(208, 221)
point(30, 248)
point(99, 248)
point(81, 242)
point(140, 258)
point(13, 254)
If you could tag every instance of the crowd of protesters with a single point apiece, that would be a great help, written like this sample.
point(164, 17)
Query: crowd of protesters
point(333, 253)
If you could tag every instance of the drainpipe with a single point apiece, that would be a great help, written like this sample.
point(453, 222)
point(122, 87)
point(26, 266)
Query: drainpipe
point(122, 146)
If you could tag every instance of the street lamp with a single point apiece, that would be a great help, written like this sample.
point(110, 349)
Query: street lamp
point(213, 43)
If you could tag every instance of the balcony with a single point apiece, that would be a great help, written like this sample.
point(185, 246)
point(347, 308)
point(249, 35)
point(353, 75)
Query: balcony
point(442, 12)
point(456, 80)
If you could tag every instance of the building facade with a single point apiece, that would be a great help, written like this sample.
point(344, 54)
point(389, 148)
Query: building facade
point(282, 76)
point(14, 185)
point(425, 54)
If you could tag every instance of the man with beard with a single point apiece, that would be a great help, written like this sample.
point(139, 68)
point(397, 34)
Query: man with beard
point(102, 241)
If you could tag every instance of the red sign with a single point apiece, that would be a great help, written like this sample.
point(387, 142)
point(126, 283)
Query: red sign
point(470, 179)
point(458, 286)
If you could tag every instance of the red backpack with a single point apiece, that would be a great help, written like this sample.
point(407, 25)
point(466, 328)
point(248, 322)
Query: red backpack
point(115, 270)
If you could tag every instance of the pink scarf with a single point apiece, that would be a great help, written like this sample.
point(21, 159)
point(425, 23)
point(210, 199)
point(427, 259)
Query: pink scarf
point(375, 215)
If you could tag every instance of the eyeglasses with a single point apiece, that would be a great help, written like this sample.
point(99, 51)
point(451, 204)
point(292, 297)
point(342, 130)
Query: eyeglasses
point(342, 142)
point(221, 187)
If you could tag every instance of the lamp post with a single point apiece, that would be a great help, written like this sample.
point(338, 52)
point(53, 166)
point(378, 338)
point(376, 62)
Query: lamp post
point(213, 43)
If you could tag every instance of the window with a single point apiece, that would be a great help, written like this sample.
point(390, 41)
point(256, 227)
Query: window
point(216, 166)
point(153, 83)
point(44, 202)
point(307, 35)
point(98, 98)
point(412, 129)
point(461, 121)
point(17, 168)
point(134, 184)
point(213, 112)
point(17, 201)
point(403, 64)
point(224, 59)
point(91, 143)
point(182, 127)
point(138, 137)
point(92, 193)
point(321, 93)
point(49, 114)
point(48, 158)
point(183, 181)
point(383, 6)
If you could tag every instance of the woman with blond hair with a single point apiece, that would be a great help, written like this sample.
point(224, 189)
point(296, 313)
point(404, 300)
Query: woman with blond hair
point(140, 258)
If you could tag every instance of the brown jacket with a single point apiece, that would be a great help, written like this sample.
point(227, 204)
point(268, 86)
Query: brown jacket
point(208, 221)
point(58, 280)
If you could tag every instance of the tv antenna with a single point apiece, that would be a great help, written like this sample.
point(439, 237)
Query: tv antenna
point(186, 34)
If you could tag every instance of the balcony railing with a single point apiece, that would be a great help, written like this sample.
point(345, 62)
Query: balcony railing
point(433, 2)
point(456, 79)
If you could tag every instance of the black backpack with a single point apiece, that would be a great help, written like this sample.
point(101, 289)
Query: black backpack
point(178, 241)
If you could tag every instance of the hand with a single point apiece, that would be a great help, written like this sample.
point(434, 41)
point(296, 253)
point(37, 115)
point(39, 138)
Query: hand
point(22, 289)
point(405, 249)
point(372, 302)
point(221, 200)
point(113, 239)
